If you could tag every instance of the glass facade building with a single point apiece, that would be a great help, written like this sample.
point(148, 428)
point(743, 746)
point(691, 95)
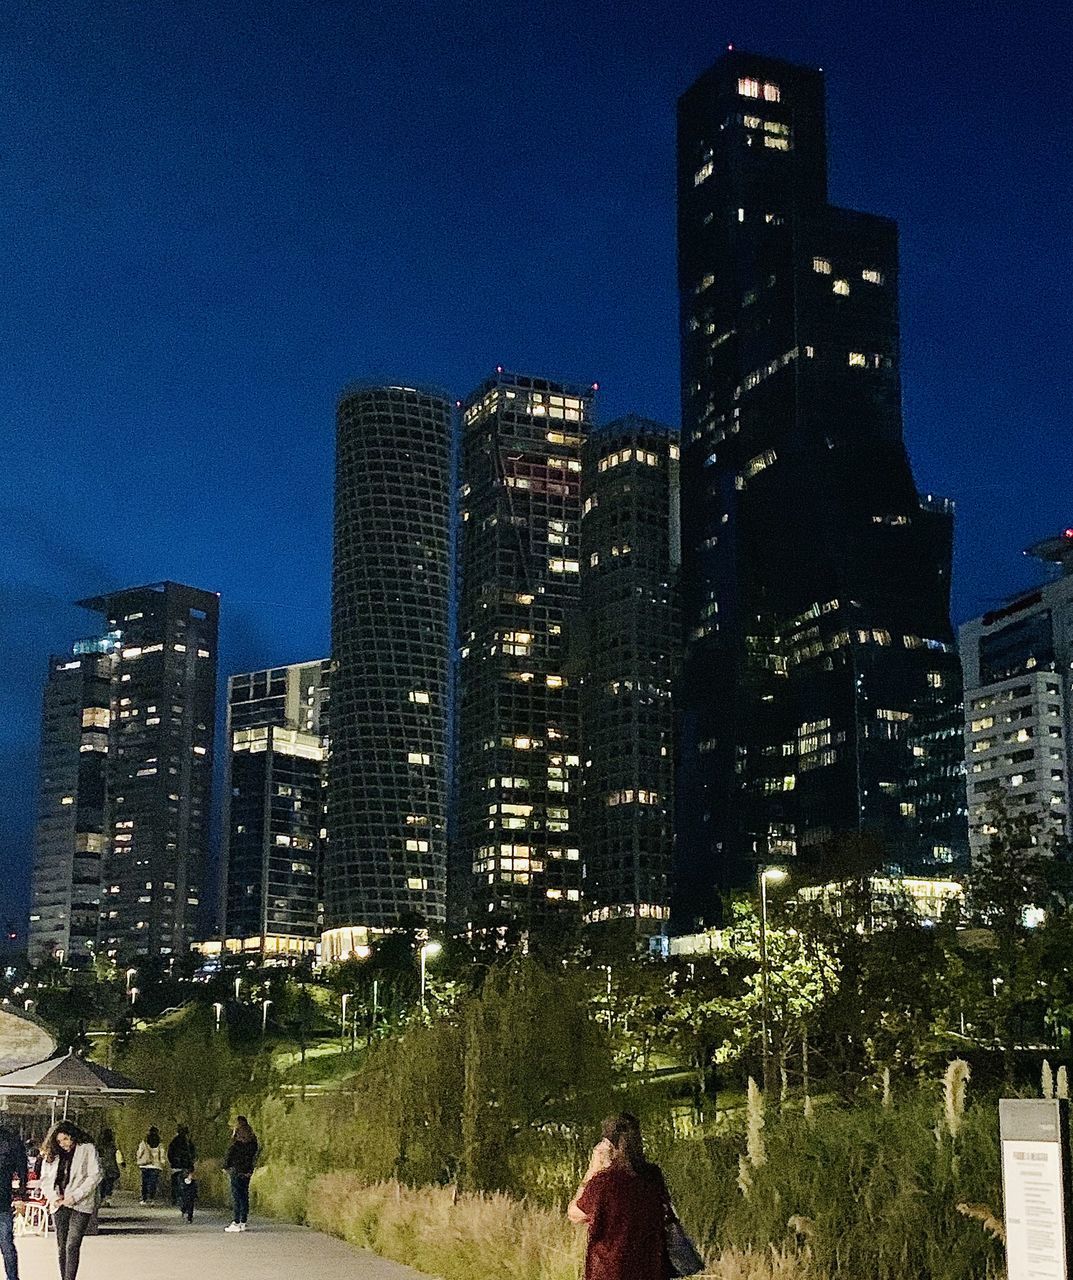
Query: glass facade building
point(517, 852)
point(159, 766)
point(69, 836)
point(815, 578)
point(624, 649)
point(276, 805)
point(386, 860)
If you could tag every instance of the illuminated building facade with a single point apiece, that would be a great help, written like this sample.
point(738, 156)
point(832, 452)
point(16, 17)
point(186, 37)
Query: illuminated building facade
point(815, 577)
point(159, 766)
point(517, 856)
point(624, 647)
point(69, 837)
point(386, 859)
point(1018, 663)
point(276, 805)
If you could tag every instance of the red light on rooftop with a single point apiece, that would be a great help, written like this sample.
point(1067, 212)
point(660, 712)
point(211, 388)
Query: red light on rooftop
point(596, 386)
point(1068, 533)
point(499, 368)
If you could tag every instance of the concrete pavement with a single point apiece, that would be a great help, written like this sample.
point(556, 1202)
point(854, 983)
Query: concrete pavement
point(154, 1244)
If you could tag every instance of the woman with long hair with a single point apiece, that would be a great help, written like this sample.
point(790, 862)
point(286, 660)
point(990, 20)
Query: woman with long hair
point(623, 1199)
point(152, 1160)
point(239, 1162)
point(70, 1176)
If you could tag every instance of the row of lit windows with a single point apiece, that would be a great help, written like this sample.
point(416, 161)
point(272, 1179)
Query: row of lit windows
point(630, 796)
point(750, 88)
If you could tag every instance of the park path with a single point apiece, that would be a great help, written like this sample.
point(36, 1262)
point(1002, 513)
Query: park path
point(154, 1244)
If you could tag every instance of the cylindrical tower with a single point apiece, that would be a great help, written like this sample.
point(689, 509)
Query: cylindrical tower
point(386, 860)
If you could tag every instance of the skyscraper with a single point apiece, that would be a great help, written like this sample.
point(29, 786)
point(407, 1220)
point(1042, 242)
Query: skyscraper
point(518, 853)
point(1018, 708)
point(159, 770)
point(815, 578)
point(275, 806)
point(386, 861)
point(624, 648)
point(69, 837)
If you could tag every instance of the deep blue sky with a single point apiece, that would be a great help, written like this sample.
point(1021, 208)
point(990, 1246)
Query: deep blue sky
point(213, 214)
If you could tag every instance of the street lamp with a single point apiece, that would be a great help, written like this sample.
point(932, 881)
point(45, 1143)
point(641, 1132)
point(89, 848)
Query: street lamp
point(133, 995)
point(238, 988)
point(347, 995)
point(768, 875)
point(130, 977)
point(218, 1009)
point(264, 1015)
point(427, 949)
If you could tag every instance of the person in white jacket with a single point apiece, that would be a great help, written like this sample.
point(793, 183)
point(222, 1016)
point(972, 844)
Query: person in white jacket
point(152, 1161)
point(70, 1176)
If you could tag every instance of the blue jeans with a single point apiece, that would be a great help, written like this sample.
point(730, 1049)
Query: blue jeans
point(7, 1244)
point(150, 1180)
point(240, 1195)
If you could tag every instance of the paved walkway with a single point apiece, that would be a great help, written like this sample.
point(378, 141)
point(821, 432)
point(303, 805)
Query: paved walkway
point(154, 1244)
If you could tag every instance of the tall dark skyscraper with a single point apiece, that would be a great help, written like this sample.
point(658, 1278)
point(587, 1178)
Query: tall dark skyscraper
point(518, 852)
point(386, 860)
point(159, 770)
point(276, 798)
point(815, 578)
point(624, 648)
point(69, 838)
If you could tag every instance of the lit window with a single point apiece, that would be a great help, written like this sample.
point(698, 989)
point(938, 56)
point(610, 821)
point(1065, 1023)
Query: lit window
point(748, 88)
point(871, 276)
point(776, 144)
point(418, 757)
point(822, 266)
point(418, 695)
point(705, 171)
point(841, 287)
point(771, 93)
point(67, 800)
point(857, 360)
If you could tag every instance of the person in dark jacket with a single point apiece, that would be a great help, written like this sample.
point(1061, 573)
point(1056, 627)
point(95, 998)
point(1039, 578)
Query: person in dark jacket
point(182, 1157)
point(12, 1169)
point(239, 1163)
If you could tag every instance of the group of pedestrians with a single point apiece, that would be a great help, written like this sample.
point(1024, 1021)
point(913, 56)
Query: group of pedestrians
point(75, 1175)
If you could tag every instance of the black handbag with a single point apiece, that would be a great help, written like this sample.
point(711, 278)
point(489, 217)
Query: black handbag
point(681, 1251)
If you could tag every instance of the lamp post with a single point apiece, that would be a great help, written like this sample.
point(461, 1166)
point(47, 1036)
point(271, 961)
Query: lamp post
point(238, 989)
point(427, 949)
point(347, 995)
point(133, 996)
point(130, 977)
point(264, 1015)
point(218, 1009)
point(768, 875)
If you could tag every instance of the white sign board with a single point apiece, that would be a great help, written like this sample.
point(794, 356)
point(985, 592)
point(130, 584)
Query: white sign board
point(1035, 1210)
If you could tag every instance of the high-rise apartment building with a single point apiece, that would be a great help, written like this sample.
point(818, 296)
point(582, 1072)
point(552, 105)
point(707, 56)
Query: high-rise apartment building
point(69, 838)
point(275, 810)
point(517, 856)
point(815, 577)
point(1018, 706)
point(386, 860)
point(623, 649)
point(159, 766)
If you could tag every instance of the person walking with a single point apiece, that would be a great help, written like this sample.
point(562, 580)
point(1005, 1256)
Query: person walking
point(111, 1159)
point(239, 1163)
point(152, 1161)
point(12, 1169)
point(70, 1176)
point(625, 1203)
point(182, 1156)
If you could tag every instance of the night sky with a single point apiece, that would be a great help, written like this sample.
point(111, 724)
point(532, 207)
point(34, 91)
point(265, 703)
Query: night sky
point(215, 214)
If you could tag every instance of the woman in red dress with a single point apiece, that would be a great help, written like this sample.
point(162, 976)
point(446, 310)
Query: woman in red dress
point(624, 1201)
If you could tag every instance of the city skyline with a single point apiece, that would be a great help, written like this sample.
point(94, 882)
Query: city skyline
point(52, 564)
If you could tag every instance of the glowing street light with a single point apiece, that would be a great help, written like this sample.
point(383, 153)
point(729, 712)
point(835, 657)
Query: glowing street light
point(130, 977)
point(427, 949)
point(347, 995)
point(264, 1015)
point(768, 875)
point(134, 993)
point(218, 1009)
point(238, 988)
